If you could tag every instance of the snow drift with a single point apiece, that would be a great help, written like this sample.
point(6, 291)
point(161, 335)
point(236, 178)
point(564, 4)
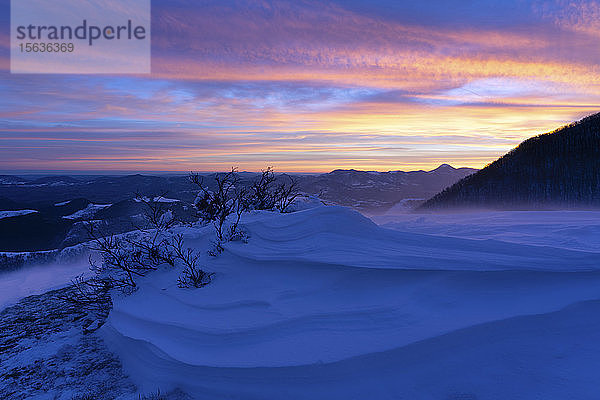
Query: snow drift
point(325, 304)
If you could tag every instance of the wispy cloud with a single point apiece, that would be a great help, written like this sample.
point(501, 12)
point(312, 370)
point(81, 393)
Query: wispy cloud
point(308, 85)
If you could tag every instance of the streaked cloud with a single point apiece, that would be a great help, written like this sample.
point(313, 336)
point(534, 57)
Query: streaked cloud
point(312, 86)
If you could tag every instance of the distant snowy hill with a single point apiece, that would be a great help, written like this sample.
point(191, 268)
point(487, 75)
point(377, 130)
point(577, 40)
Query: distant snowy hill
point(560, 169)
point(15, 213)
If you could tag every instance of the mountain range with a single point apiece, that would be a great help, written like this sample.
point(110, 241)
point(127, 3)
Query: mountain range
point(57, 205)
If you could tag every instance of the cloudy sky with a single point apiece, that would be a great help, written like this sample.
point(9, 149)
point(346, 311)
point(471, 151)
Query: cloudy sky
point(313, 86)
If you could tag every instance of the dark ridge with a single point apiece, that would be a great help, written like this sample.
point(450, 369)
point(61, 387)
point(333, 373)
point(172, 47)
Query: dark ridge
point(559, 169)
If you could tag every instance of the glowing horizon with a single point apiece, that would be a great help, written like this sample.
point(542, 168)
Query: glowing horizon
point(312, 86)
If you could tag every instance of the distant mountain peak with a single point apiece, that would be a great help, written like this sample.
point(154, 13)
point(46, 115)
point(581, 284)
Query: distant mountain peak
point(444, 167)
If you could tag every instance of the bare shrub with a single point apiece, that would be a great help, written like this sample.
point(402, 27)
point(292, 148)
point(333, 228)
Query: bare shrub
point(263, 193)
point(92, 296)
point(194, 277)
point(229, 197)
point(286, 194)
point(267, 194)
point(125, 258)
point(232, 197)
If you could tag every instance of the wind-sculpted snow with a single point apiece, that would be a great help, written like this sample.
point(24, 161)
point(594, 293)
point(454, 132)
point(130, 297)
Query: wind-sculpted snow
point(325, 304)
point(577, 230)
point(344, 237)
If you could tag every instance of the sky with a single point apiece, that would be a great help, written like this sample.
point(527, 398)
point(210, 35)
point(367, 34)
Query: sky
point(312, 86)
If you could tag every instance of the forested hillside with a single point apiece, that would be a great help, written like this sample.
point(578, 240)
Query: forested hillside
point(556, 169)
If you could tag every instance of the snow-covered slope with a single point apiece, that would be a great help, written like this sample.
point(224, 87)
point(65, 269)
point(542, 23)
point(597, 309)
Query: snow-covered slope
point(325, 304)
point(87, 212)
point(39, 277)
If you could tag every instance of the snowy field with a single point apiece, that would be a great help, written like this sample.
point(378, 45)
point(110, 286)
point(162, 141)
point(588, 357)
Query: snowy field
point(325, 304)
point(578, 230)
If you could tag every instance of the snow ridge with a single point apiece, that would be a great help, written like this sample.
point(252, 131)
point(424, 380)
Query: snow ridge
point(325, 304)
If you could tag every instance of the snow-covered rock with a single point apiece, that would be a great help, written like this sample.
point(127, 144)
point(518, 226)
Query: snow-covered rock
point(45, 354)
